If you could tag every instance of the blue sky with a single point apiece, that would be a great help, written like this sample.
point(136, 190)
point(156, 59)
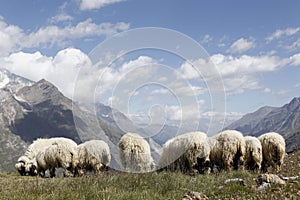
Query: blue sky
point(255, 45)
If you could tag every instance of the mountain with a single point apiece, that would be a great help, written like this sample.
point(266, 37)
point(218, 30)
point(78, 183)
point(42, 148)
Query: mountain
point(285, 120)
point(12, 81)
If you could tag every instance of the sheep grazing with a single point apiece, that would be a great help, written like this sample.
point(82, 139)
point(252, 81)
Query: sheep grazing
point(187, 153)
point(30, 154)
point(253, 154)
point(60, 154)
point(93, 155)
point(135, 153)
point(26, 164)
point(228, 150)
point(273, 149)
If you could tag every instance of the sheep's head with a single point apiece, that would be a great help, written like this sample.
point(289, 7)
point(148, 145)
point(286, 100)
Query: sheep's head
point(21, 165)
point(31, 168)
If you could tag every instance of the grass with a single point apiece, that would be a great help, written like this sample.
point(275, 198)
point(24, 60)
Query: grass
point(164, 185)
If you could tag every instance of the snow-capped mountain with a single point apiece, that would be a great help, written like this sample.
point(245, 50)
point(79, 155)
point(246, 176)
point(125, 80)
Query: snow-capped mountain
point(12, 81)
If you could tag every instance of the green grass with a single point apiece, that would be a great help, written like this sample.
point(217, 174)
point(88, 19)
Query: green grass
point(164, 185)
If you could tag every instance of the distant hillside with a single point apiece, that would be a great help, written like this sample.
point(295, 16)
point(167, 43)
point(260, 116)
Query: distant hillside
point(284, 120)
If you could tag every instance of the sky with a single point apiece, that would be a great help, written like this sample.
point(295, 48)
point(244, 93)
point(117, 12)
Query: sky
point(249, 55)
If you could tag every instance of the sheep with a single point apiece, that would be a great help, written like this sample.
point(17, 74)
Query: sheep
point(273, 149)
point(253, 154)
point(93, 154)
point(30, 154)
point(60, 154)
point(26, 164)
point(188, 153)
point(228, 150)
point(135, 153)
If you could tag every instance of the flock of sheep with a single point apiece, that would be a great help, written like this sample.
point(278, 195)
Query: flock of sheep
point(190, 152)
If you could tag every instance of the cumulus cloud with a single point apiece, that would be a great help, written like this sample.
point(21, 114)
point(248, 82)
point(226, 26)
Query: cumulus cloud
point(96, 4)
point(283, 32)
point(14, 38)
point(61, 70)
point(241, 45)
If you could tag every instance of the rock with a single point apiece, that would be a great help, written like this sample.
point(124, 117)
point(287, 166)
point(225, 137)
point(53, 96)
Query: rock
point(236, 180)
point(270, 178)
point(194, 196)
point(263, 186)
point(288, 178)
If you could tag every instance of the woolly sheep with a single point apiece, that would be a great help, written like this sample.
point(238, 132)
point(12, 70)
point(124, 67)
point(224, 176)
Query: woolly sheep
point(187, 152)
point(253, 153)
point(273, 148)
point(93, 154)
point(26, 163)
point(135, 153)
point(228, 150)
point(30, 154)
point(60, 154)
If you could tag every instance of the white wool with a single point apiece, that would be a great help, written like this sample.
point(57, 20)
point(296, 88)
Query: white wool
point(61, 153)
point(273, 147)
point(253, 154)
point(184, 151)
point(135, 153)
point(29, 158)
point(228, 149)
point(94, 154)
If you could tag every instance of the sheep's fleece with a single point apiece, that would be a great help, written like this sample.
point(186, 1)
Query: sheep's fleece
point(135, 153)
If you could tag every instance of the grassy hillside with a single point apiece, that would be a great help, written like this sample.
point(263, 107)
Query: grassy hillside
point(163, 185)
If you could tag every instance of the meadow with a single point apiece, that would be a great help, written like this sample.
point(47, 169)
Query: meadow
point(162, 185)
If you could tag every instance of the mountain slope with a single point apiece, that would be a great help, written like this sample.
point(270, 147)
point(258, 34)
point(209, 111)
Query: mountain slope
point(285, 120)
point(292, 140)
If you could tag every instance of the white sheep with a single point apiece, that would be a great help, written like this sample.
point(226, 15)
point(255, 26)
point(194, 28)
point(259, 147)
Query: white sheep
point(273, 148)
point(187, 152)
point(228, 150)
point(26, 164)
point(30, 154)
point(135, 153)
point(60, 154)
point(253, 153)
point(93, 154)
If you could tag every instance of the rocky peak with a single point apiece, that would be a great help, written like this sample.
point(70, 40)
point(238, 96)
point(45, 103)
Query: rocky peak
point(12, 81)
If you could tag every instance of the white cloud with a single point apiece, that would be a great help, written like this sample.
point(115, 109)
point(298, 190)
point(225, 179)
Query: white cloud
point(62, 17)
point(10, 37)
point(294, 46)
point(207, 38)
point(238, 73)
point(55, 35)
point(295, 60)
point(13, 38)
point(283, 32)
point(96, 4)
point(267, 90)
point(61, 70)
point(241, 45)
